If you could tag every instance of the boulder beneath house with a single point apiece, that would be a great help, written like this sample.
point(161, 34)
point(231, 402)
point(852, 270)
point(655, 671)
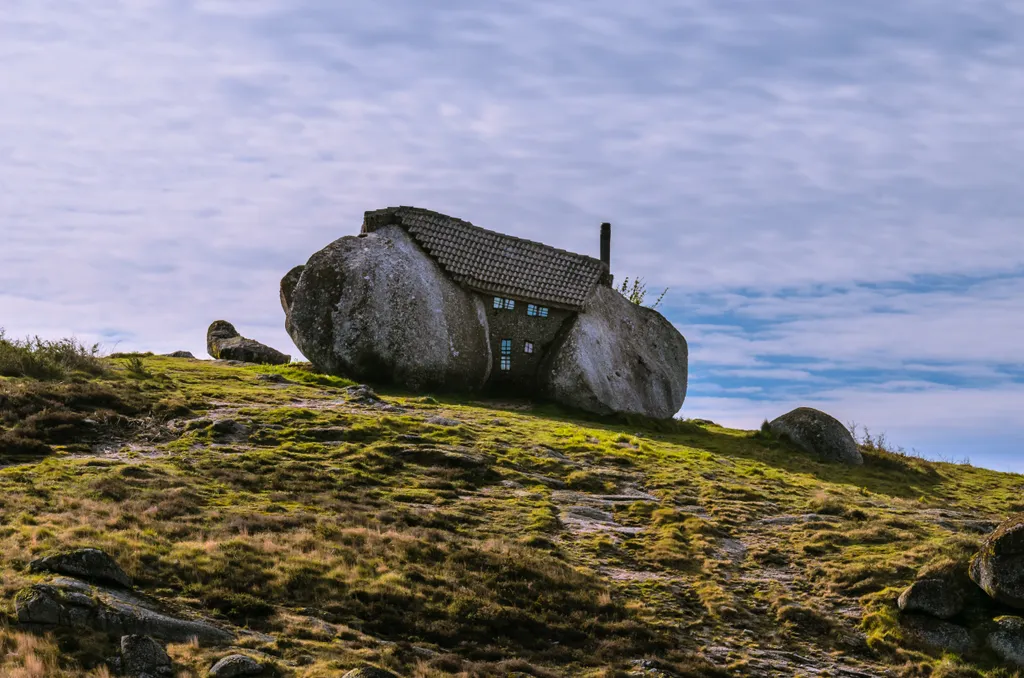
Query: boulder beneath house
point(223, 342)
point(619, 357)
point(376, 308)
point(819, 434)
point(998, 568)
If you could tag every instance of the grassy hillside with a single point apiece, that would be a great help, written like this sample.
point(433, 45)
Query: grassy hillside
point(437, 536)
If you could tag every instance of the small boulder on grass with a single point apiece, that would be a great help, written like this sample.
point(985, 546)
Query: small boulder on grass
point(144, 656)
point(223, 342)
point(936, 597)
point(369, 672)
point(998, 568)
point(235, 665)
point(936, 634)
point(89, 564)
point(819, 434)
point(1007, 640)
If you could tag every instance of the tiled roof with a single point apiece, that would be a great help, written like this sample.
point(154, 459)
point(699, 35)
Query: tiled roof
point(495, 263)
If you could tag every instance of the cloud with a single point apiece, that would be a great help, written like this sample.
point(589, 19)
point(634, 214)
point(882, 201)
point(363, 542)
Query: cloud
point(829, 189)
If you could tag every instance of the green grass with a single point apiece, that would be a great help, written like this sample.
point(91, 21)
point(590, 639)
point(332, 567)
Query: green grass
point(357, 535)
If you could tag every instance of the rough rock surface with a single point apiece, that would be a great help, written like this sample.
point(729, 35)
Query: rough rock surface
point(998, 568)
point(936, 633)
point(144, 656)
point(820, 434)
point(377, 308)
point(619, 357)
point(936, 597)
point(1007, 640)
point(223, 342)
point(72, 603)
point(236, 665)
point(89, 564)
point(369, 672)
point(180, 354)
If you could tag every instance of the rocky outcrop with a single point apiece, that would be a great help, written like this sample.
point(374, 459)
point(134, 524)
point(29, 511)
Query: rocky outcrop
point(376, 308)
point(819, 434)
point(75, 604)
point(180, 354)
point(998, 568)
point(1007, 640)
point(223, 342)
point(936, 597)
point(143, 657)
point(619, 357)
point(236, 665)
point(88, 563)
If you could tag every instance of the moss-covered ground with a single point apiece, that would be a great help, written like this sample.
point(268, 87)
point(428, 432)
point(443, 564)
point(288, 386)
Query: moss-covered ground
point(438, 536)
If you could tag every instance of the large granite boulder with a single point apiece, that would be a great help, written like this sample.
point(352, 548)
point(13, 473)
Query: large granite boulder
point(72, 603)
point(819, 434)
point(619, 357)
point(376, 308)
point(223, 342)
point(144, 656)
point(998, 568)
point(937, 597)
point(88, 563)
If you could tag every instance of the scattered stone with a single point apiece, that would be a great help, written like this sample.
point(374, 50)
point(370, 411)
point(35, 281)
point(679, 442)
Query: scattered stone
point(236, 665)
point(936, 633)
point(88, 563)
point(998, 568)
point(180, 354)
point(378, 308)
point(223, 342)
point(369, 672)
point(820, 434)
point(75, 604)
point(618, 356)
point(1007, 640)
point(443, 421)
point(229, 430)
point(936, 597)
point(143, 656)
point(274, 378)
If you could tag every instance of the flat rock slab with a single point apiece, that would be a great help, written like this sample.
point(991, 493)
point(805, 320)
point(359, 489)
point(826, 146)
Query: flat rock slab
point(75, 604)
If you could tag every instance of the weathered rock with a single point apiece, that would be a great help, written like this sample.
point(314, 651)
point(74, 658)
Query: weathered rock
point(288, 284)
point(75, 604)
point(377, 308)
point(369, 672)
point(936, 633)
point(1007, 640)
point(223, 342)
point(236, 665)
point(819, 434)
point(936, 597)
point(998, 568)
point(89, 564)
point(180, 354)
point(619, 357)
point(144, 656)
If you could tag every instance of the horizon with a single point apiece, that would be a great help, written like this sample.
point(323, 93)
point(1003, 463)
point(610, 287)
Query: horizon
point(827, 192)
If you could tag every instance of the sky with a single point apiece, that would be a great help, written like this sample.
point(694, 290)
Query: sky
point(829, 191)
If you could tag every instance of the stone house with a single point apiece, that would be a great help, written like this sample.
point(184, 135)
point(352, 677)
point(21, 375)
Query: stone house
point(530, 290)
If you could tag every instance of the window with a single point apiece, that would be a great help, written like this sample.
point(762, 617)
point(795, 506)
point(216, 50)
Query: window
point(506, 355)
point(542, 311)
point(528, 347)
point(535, 310)
point(531, 309)
point(507, 304)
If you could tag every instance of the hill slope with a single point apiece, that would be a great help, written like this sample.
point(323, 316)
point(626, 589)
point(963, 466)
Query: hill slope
point(441, 537)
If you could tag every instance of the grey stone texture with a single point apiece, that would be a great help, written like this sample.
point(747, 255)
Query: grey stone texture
point(90, 564)
point(223, 342)
point(819, 434)
point(998, 568)
point(936, 634)
point(144, 656)
point(1007, 640)
point(75, 604)
point(369, 672)
point(236, 665)
point(937, 597)
point(619, 357)
point(376, 308)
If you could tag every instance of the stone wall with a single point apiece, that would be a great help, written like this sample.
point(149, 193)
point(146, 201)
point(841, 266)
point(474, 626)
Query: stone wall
point(516, 325)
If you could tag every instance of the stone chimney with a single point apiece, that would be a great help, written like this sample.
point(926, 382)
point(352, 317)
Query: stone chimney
point(606, 244)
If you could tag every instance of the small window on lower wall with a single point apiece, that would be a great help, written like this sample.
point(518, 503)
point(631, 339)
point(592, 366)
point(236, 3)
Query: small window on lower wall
point(542, 311)
point(506, 363)
point(528, 347)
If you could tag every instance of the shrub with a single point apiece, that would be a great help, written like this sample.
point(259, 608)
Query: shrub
point(47, 360)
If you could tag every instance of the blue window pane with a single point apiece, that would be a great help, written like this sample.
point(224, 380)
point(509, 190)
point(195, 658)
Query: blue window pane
point(498, 302)
point(543, 311)
point(506, 363)
point(528, 347)
point(510, 304)
point(531, 309)
point(506, 346)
